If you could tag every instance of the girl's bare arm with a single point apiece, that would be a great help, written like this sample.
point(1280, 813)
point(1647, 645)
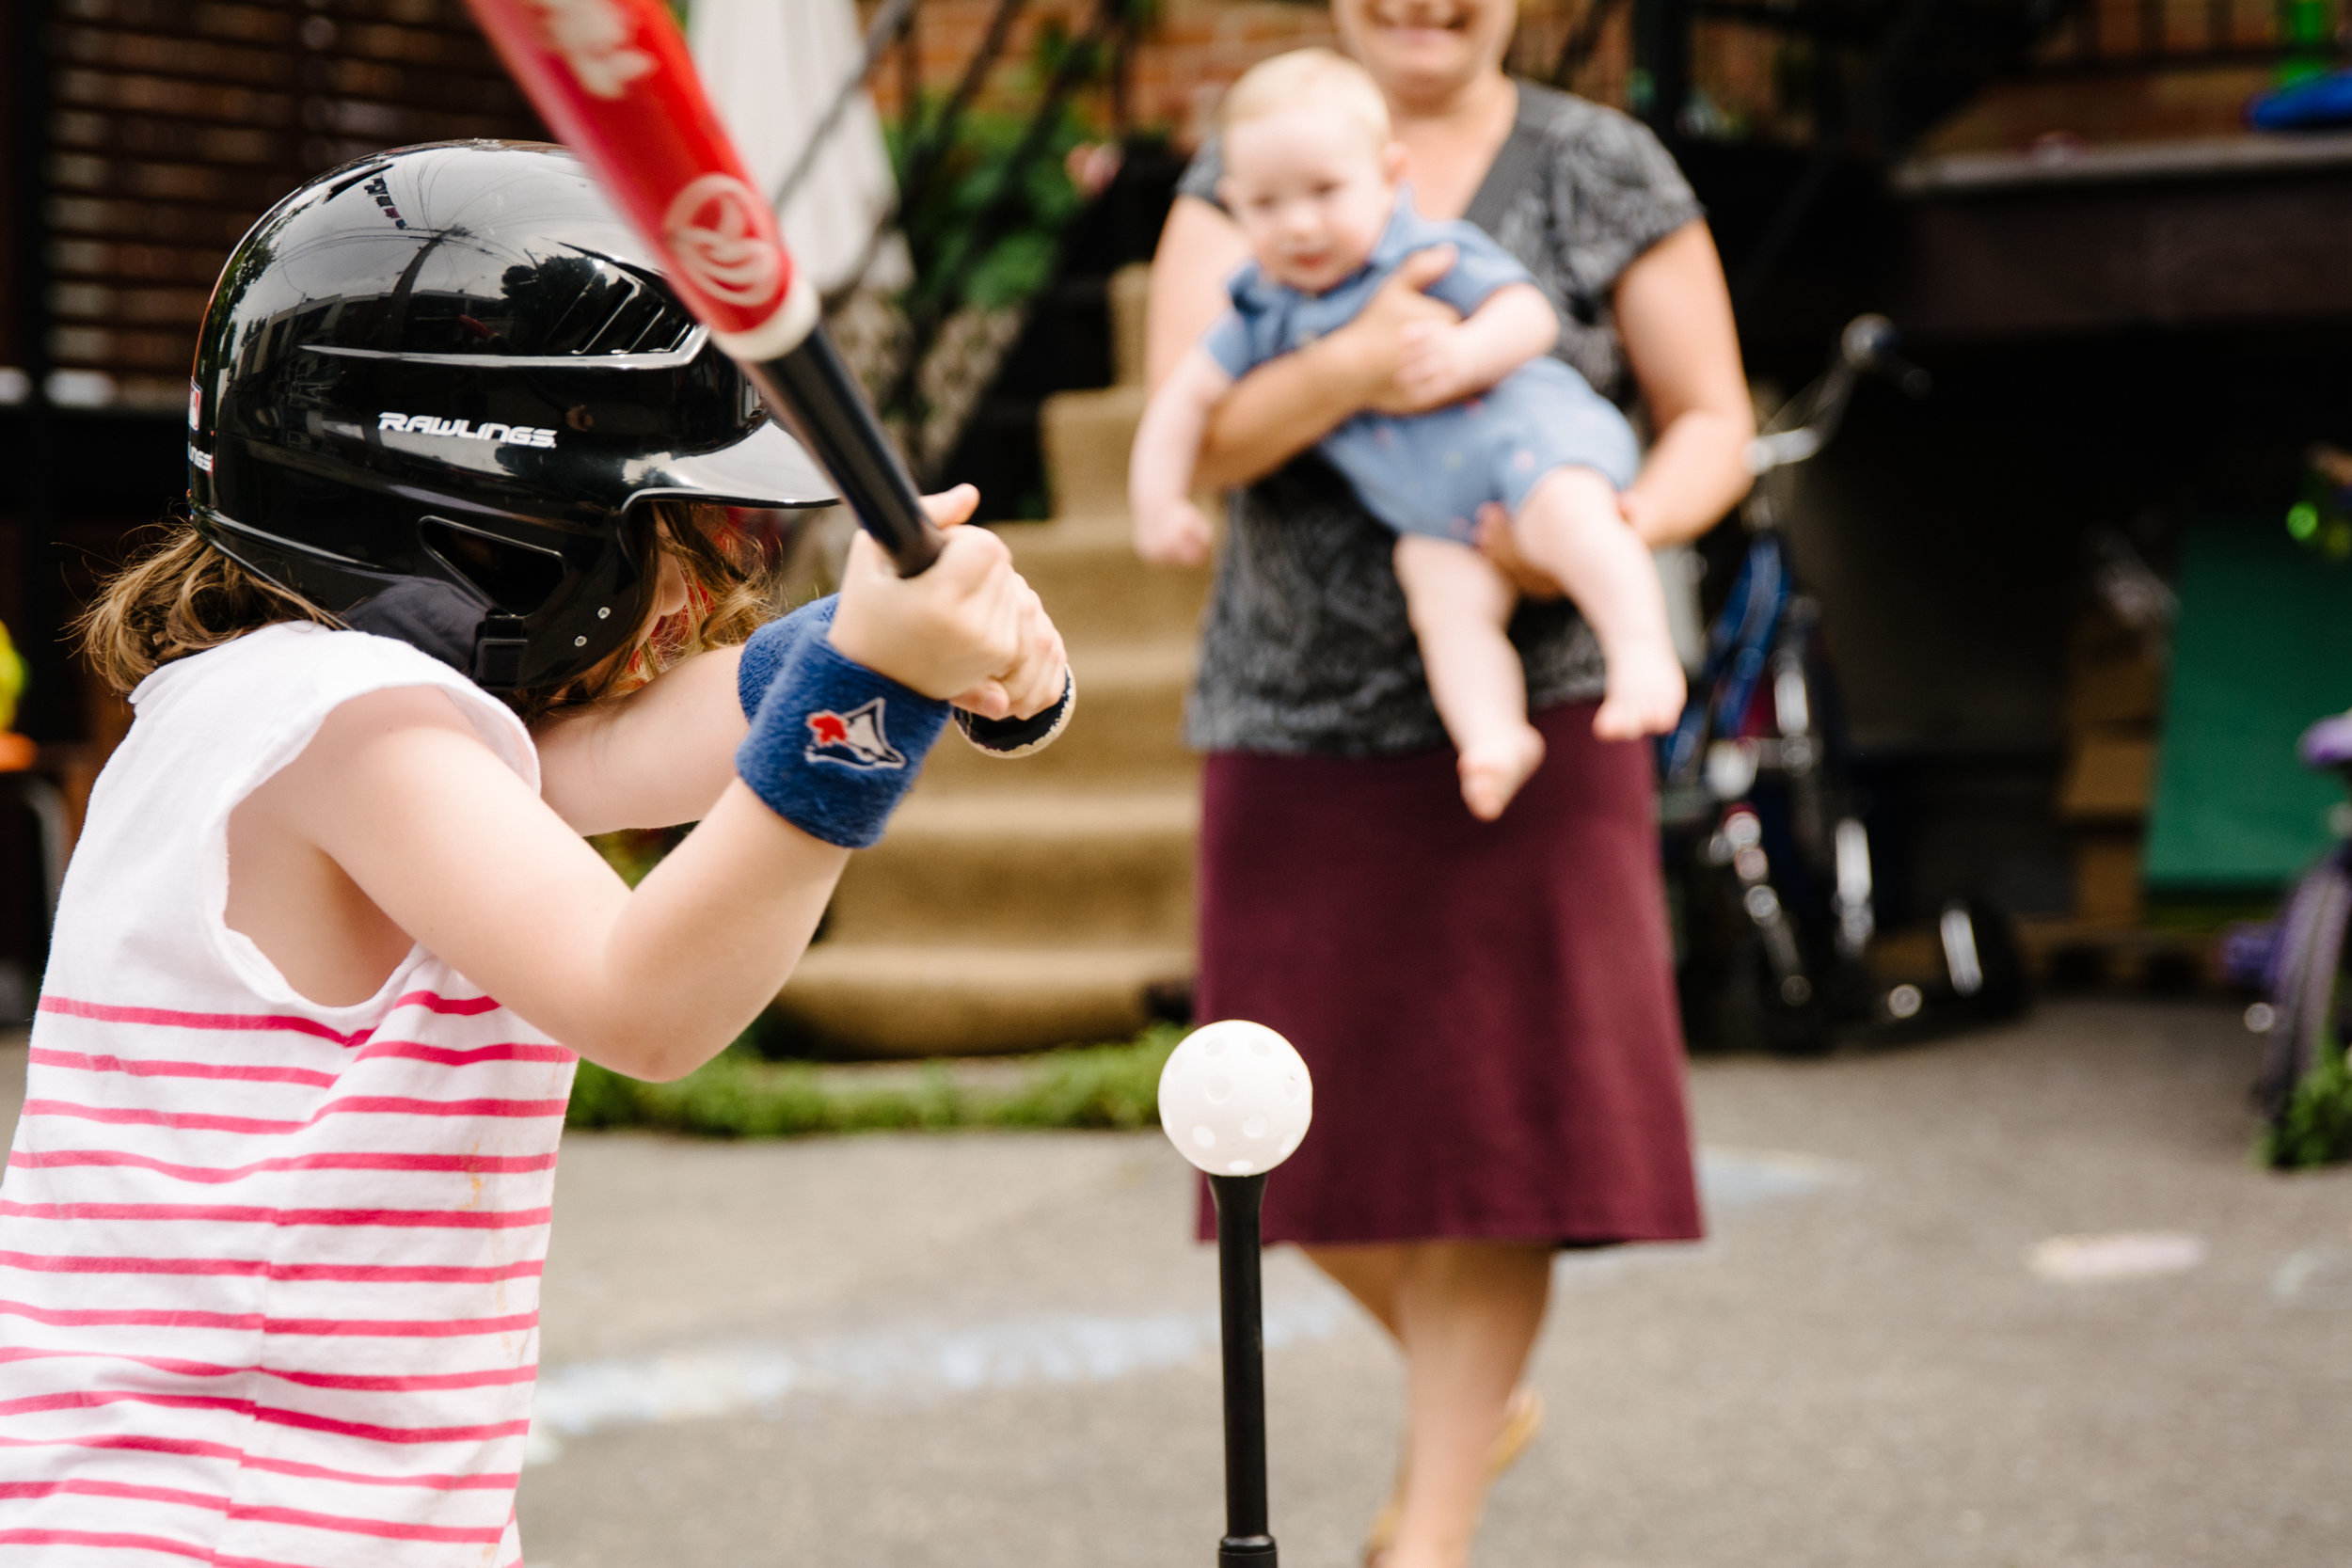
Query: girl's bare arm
point(400, 794)
point(654, 758)
point(662, 754)
point(454, 848)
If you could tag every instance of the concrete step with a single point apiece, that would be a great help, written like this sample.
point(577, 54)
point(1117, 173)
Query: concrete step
point(1017, 906)
point(1086, 570)
point(1130, 302)
point(1131, 703)
point(880, 1000)
point(1087, 436)
point(1034, 866)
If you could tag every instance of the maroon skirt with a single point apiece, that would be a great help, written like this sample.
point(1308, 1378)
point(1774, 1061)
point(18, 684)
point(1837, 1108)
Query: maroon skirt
point(1487, 1008)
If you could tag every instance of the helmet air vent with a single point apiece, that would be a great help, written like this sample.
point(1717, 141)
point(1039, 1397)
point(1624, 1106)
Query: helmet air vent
point(515, 578)
point(616, 313)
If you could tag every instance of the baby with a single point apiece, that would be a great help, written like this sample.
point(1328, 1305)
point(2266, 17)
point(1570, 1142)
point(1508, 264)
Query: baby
point(1314, 182)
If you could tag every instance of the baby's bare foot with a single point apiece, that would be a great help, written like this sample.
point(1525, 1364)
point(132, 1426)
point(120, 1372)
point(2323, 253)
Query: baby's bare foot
point(1493, 772)
point(1645, 692)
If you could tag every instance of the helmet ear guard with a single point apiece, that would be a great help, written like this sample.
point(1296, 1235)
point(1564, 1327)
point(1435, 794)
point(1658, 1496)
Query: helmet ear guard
point(509, 574)
point(444, 430)
point(449, 618)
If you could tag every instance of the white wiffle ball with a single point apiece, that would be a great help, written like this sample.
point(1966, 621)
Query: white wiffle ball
point(1236, 1099)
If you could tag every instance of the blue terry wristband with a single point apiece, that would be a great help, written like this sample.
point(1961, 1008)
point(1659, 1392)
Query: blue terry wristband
point(834, 746)
point(767, 648)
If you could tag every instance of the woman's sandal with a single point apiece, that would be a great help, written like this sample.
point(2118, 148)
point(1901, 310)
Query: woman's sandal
point(1522, 1418)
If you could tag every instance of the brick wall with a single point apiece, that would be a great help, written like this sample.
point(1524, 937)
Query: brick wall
point(2139, 85)
point(173, 124)
point(1192, 53)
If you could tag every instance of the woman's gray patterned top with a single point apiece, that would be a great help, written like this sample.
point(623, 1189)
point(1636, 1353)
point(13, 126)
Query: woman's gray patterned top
point(1305, 645)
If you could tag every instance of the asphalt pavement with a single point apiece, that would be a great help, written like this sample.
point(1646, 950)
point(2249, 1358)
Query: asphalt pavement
point(2013, 1300)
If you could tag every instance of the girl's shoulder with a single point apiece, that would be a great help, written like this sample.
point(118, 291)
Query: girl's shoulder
point(268, 691)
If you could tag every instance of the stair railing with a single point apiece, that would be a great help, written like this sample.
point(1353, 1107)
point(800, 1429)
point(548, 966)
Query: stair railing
point(1101, 52)
point(1081, 62)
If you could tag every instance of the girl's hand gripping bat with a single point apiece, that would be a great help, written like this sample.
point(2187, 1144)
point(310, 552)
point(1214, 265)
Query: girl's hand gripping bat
point(612, 78)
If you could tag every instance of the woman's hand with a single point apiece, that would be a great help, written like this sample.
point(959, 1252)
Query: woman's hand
point(967, 630)
point(1498, 543)
point(1394, 357)
point(1437, 366)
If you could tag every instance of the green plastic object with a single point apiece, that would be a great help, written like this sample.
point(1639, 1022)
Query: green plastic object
point(11, 681)
point(2264, 648)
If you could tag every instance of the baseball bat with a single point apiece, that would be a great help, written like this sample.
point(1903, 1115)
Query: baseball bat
point(613, 80)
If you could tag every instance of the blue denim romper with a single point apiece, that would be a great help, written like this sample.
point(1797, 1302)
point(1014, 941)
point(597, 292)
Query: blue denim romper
point(1429, 473)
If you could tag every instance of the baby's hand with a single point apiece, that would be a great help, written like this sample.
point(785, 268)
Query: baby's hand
point(1172, 533)
point(1437, 367)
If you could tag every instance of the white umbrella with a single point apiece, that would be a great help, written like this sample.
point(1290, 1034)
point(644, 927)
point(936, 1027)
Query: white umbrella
point(774, 68)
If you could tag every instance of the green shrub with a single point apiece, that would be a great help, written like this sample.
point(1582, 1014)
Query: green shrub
point(736, 1095)
point(2317, 1128)
point(969, 177)
point(1101, 1085)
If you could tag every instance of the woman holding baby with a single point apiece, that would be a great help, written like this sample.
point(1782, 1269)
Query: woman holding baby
point(1483, 990)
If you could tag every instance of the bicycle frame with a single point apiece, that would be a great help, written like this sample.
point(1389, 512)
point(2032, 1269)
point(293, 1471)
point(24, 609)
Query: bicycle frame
point(1757, 750)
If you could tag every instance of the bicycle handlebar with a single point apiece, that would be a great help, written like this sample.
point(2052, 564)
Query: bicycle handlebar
point(1866, 347)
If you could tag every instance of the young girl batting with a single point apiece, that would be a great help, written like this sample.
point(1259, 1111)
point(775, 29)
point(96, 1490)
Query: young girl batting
point(272, 1227)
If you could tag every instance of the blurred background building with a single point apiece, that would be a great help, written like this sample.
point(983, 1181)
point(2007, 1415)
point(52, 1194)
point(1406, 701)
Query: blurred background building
point(2075, 636)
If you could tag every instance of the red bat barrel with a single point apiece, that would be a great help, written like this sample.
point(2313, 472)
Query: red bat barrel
point(613, 79)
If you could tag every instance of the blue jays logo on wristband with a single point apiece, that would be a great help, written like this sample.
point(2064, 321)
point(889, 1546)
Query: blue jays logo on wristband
point(853, 739)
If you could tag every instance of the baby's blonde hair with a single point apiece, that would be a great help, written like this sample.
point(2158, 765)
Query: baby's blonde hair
point(1307, 78)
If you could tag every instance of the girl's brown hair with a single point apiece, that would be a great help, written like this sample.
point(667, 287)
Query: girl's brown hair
point(182, 597)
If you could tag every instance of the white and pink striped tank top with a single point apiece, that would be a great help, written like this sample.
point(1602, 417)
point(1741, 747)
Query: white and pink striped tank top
point(269, 1270)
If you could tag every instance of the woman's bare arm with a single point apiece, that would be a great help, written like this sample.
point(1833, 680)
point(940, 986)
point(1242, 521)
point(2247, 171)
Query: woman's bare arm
point(1200, 249)
point(1674, 315)
point(1289, 404)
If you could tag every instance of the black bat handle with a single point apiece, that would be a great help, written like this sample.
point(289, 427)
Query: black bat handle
point(1248, 1541)
point(814, 389)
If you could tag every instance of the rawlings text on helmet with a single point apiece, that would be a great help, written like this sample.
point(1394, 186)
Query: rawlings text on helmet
point(429, 424)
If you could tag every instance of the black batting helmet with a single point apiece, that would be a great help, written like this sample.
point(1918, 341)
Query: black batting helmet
point(434, 386)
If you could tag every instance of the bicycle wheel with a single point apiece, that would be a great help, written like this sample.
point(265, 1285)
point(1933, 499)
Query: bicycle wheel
point(1748, 981)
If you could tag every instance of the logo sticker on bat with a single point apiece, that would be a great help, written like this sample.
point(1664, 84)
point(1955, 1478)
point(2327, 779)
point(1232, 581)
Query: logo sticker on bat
point(853, 739)
point(594, 37)
point(716, 233)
